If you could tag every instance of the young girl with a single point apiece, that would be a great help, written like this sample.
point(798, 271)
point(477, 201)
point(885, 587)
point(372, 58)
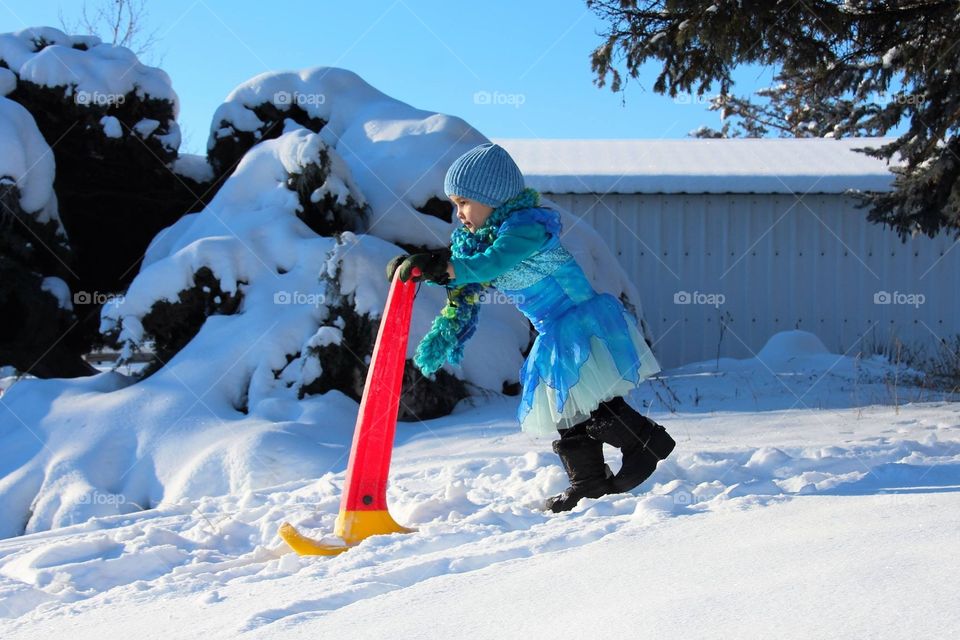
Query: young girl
point(588, 352)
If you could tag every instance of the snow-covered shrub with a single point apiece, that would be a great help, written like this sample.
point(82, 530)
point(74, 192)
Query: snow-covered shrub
point(257, 110)
point(93, 87)
point(397, 154)
point(230, 141)
point(35, 256)
point(328, 205)
point(193, 272)
point(171, 325)
point(283, 175)
point(118, 178)
point(341, 350)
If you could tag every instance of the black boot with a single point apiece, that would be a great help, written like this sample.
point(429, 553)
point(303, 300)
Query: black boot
point(582, 457)
point(642, 442)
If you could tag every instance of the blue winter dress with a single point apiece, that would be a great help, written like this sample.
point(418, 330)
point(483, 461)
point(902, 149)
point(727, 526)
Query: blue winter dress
point(589, 348)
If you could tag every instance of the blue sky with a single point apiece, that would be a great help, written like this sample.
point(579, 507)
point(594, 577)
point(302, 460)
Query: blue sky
point(511, 69)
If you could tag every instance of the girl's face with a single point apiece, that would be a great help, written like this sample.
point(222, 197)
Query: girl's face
point(470, 212)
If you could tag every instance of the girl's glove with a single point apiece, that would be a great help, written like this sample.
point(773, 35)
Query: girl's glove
point(394, 264)
point(433, 266)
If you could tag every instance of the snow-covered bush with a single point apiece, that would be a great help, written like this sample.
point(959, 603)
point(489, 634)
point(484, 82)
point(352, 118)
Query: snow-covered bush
point(171, 325)
point(192, 272)
point(328, 204)
point(396, 153)
point(345, 344)
point(230, 141)
point(35, 256)
point(111, 125)
point(92, 86)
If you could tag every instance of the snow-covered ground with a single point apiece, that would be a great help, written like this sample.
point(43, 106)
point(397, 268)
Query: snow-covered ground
point(807, 497)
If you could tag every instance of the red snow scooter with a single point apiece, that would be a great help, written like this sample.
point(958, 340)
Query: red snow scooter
point(363, 506)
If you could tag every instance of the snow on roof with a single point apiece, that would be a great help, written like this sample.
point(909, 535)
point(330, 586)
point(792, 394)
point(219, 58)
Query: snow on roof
point(700, 165)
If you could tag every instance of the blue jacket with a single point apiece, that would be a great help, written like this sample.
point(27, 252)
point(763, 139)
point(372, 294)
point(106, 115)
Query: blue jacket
point(514, 244)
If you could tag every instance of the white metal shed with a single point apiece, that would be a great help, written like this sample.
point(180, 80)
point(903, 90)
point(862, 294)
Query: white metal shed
point(757, 233)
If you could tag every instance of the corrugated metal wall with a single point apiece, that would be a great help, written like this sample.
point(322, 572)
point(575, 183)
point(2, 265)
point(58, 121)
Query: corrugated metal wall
point(780, 262)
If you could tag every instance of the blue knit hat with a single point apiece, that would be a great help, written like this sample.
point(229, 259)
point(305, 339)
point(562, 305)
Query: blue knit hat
point(486, 174)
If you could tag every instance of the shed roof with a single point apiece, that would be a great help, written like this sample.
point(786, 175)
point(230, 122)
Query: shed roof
point(700, 165)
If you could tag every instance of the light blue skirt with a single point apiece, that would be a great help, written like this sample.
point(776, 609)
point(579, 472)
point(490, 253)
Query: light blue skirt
point(591, 352)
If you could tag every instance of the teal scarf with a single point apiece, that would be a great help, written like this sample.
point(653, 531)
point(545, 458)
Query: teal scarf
point(457, 321)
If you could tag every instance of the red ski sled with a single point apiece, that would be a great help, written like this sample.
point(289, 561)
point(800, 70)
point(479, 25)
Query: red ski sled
point(363, 507)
